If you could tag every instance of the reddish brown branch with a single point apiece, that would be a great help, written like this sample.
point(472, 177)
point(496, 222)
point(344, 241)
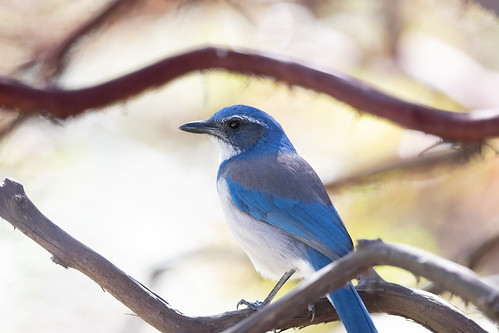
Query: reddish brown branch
point(360, 95)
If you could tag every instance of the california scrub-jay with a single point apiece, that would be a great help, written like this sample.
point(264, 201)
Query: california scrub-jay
point(276, 205)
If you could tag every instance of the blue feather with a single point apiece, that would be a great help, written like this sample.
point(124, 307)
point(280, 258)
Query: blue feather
point(346, 301)
point(276, 204)
point(315, 224)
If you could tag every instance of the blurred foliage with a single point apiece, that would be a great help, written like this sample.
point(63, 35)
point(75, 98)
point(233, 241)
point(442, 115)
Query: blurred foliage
point(127, 172)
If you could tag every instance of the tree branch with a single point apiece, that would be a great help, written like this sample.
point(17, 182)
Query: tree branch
point(70, 253)
point(16, 208)
point(360, 95)
point(423, 162)
point(53, 62)
point(419, 306)
point(472, 259)
point(456, 279)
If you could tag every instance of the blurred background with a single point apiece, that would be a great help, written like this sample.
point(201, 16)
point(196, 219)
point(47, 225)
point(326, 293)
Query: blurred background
point(127, 183)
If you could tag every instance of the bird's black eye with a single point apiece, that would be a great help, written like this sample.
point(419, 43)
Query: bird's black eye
point(234, 123)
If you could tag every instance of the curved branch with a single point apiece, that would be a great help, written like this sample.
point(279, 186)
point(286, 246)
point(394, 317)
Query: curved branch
point(69, 252)
point(473, 258)
point(456, 279)
point(55, 60)
point(360, 95)
point(470, 259)
point(16, 208)
point(422, 162)
point(424, 308)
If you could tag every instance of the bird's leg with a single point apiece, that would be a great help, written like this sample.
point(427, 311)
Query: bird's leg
point(285, 277)
point(259, 304)
point(311, 308)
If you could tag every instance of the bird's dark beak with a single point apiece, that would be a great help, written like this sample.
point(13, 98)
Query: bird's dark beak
point(204, 127)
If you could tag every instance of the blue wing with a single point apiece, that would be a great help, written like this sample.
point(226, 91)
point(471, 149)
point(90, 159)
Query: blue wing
point(314, 223)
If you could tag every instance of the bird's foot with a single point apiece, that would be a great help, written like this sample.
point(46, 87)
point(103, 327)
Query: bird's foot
point(256, 305)
point(311, 308)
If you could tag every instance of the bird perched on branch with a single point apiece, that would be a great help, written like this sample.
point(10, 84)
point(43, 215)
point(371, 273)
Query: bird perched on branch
point(276, 205)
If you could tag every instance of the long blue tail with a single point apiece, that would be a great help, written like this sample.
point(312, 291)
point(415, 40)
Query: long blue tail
point(346, 301)
point(351, 309)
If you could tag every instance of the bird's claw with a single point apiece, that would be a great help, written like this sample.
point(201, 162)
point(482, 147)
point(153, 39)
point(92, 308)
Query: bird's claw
point(311, 308)
point(256, 305)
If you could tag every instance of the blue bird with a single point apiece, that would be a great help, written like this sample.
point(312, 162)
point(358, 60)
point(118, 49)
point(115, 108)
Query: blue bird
point(276, 205)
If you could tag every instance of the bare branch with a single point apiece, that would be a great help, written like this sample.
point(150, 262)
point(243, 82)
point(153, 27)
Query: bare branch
point(490, 5)
point(360, 95)
point(471, 259)
point(424, 162)
point(474, 256)
point(57, 59)
point(70, 253)
point(16, 208)
point(419, 306)
point(456, 279)
point(54, 61)
point(7, 127)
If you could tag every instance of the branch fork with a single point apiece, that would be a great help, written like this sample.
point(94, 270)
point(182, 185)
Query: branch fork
point(289, 311)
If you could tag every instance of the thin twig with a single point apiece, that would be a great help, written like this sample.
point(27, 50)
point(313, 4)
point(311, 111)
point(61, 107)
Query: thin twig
point(13, 124)
point(471, 259)
point(53, 62)
point(474, 256)
point(422, 162)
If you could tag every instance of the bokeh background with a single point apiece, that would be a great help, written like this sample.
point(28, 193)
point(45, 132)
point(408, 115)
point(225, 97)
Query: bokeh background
point(126, 182)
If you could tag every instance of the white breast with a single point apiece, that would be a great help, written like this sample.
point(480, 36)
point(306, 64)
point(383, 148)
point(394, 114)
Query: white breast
point(271, 250)
point(226, 150)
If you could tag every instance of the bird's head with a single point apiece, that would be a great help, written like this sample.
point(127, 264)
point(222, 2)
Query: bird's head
point(241, 129)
